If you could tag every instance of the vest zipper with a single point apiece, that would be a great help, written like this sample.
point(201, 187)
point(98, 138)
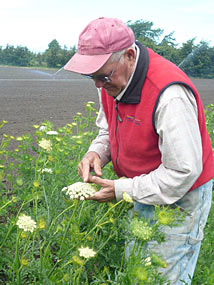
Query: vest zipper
point(120, 120)
point(116, 108)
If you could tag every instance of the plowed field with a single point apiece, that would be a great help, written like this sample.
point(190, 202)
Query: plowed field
point(30, 96)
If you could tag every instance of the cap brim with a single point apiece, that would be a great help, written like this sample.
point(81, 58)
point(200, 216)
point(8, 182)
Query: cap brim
point(86, 64)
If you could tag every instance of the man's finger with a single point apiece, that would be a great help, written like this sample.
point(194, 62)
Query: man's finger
point(83, 171)
point(99, 181)
point(97, 167)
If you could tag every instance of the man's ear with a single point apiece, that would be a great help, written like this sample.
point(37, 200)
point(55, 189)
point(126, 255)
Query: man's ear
point(130, 54)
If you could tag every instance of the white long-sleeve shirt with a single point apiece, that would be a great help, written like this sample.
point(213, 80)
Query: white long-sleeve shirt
point(179, 143)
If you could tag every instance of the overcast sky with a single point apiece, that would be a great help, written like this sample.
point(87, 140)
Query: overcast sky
point(35, 23)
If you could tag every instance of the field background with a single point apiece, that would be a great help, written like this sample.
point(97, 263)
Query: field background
point(30, 96)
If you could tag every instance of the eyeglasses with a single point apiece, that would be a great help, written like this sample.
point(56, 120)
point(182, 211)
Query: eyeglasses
point(103, 77)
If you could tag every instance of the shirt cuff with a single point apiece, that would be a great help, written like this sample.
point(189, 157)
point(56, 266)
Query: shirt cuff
point(123, 185)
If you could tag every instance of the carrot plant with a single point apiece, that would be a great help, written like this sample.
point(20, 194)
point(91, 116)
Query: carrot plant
point(51, 234)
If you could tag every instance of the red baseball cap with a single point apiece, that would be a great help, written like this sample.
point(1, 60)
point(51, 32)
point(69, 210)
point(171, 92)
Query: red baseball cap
point(97, 42)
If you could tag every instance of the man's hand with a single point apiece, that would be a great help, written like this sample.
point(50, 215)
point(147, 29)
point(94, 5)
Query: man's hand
point(106, 193)
point(90, 161)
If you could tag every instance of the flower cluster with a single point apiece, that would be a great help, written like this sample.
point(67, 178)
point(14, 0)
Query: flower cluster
point(147, 261)
point(86, 252)
point(42, 128)
point(51, 133)
point(140, 230)
point(41, 224)
point(26, 223)
point(79, 190)
point(46, 170)
point(45, 144)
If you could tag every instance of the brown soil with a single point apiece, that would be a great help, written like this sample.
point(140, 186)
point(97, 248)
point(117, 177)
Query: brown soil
point(31, 96)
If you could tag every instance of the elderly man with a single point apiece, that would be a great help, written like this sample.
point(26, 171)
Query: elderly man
point(152, 127)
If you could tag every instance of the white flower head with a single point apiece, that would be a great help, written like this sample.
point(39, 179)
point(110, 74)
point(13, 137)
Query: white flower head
point(52, 133)
point(47, 170)
point(79, 190)
point(45, 144)
point(42, 128)
point(148, 261)
point(86, 252)
point(26, 223)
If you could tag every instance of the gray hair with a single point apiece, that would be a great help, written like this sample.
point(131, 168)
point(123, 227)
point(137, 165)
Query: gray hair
point(116, 55)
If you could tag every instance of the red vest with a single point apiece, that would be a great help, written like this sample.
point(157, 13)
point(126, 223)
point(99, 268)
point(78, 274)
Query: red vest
point(134, 141)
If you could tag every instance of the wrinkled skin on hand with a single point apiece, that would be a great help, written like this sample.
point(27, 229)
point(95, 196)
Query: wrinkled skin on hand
point(91, 162)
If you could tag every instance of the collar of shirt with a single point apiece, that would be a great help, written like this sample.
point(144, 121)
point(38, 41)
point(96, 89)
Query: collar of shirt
point(120, 95)
point(132, 93)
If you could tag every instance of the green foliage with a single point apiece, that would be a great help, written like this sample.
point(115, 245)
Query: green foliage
point(204, 273)
point(19, 56)
point(143, 30)
point(33, 171)
point(200, 62)
point(209, 114)
point(54, 56)
point(195, 60)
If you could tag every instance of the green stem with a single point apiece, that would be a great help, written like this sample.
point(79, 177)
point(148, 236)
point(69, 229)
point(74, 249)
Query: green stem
point(54, 220)
point(67, 228)
point(16, 263)
point(123, 256)
point(36, 167)
point(70, 249)
point(80, 271)
point(11, 227)
point(6, 205)
point(46, 201)
point(26, 244)
point(55, 265)
point(115, 205)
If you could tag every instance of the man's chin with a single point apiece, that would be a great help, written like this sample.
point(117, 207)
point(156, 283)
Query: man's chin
point(113, 92)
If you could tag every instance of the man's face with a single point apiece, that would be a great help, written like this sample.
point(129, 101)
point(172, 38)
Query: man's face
point(119, 72)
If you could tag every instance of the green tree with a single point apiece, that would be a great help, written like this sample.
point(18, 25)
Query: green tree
point(22, 56)
point(198, 60)
point(19, 56)
point(168, 48)
point(186, 51)
point(67, 54)
point(143, 30)
point(53, 54)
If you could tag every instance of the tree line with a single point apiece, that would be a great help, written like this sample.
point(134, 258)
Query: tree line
point(197, 60)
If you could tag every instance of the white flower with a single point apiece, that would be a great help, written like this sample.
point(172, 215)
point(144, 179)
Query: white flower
point(45, 144)
point(52, 133)
point(86, 252)
point(148, 261)
point(42, 128)
point(26, 223)
point(79, 190)
point(47, 170)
